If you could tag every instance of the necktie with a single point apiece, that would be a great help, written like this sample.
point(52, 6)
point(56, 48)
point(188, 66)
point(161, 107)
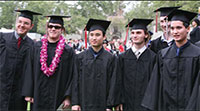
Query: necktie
point(137, 54)
point(19, 42)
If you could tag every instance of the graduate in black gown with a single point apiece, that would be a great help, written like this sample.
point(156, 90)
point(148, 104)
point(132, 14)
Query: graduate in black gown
point(166, 38)
point(48, 78)
point(95, 83)
point(14, 50)
point(136, 65)
point(176, 68)
point(195, 33)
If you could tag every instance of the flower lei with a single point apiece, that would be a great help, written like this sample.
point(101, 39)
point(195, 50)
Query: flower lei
point(48, 71)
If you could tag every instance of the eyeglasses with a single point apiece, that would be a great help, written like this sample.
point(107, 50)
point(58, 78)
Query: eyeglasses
point(56, 27)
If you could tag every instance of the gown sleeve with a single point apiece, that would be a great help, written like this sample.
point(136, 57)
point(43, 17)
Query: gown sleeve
point(151, 97)
point(115, 81)
point(68, 92)
point(194, 102)
point(28, 81)
point(75, 82)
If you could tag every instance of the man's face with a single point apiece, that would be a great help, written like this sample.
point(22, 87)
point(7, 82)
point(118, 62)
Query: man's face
point(163, 24)
point(194, 24)
point(23, 25)
point(96, 38)
point(179, 31)
point(138, 36)
point(54, 30)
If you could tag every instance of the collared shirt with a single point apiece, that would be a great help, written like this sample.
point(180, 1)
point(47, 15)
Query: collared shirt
point(138, 52)
point(169, 42)
point(17, 36)
point(179, 49)
point(95, 54)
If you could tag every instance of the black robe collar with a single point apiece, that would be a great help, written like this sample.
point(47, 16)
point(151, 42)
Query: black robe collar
point(95, 54)
point(179, 50)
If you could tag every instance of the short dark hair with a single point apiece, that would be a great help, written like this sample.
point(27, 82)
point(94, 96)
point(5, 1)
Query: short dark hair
point(186, 24)
point(197, 21)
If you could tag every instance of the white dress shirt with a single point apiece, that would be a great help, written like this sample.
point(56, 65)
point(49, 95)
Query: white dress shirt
point(138, 52)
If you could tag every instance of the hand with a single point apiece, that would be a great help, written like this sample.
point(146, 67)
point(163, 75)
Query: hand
point(66, 103)
point(29, 99)
point(76, 108)
point(108, 109)
point(119, 107)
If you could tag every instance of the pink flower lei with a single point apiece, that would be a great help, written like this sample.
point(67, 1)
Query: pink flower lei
point(56, 59)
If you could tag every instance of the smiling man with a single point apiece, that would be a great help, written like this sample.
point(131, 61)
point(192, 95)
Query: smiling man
point(176, 68)
point(94, 83)
point(15, 49)
point(48, 80)
point(136, 65)
point(166, 38)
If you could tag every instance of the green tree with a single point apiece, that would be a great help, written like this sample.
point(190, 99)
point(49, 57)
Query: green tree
point(8, 15)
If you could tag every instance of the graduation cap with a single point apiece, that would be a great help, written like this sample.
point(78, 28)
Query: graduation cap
point(27, 14)
point(182, 15)
point(164, 11)
point(58, 19)
point(96, 24)
point(139, 23)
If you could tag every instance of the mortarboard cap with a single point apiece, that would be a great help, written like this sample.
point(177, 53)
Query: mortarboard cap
point(139, 23)
point(57, 19)
point(164, 11)
point(94, 24)
point(27, 14)
point(182, 15)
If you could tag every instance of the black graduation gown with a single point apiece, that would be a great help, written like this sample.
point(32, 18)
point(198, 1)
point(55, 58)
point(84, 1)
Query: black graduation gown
point(194, 103)
point(49, 92)
point(135, 77)
point(158, 44)
point(95, 83)
point(173, 78)
point(12, 65)
point(195, 35)
point(197, 44)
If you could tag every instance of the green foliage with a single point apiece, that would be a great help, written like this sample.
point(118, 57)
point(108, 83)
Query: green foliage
point(7, 16)
point(145, 9)
point(81, 11)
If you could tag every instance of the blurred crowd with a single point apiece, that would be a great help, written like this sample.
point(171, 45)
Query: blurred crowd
point(115, 46)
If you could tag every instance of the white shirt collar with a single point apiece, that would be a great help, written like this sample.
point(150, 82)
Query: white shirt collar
point(163, 38)
point(169, 42)
point(17, 36)
point(141, 50)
